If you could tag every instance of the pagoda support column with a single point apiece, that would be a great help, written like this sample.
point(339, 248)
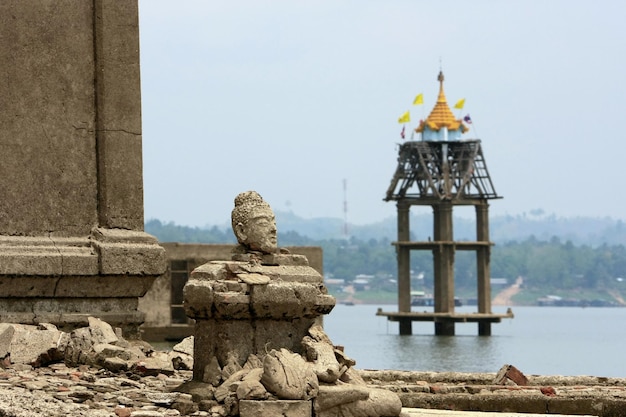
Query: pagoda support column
point(444, 266)
point(483, 255)
point(404, 267)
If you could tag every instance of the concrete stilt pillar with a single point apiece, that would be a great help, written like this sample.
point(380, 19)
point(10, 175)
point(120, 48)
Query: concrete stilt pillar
point(404, 267)
point(444, 266)
point(483, 255)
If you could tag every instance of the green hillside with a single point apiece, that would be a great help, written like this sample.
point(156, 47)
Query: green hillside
point(566, 259)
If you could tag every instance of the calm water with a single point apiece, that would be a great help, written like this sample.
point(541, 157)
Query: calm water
point(539, 340)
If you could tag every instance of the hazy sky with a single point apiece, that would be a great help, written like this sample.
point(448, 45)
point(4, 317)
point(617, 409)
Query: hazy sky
point(290, 98)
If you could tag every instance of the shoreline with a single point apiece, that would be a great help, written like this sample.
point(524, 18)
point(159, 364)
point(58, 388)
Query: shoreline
point(91, 391)
point(569, 395)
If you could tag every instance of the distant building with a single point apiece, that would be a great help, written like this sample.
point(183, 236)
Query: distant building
point(361, 284)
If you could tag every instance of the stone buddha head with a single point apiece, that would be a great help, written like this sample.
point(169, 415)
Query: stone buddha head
point(254, 223)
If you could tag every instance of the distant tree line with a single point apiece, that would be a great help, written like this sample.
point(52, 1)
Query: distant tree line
point(546, 264)
point(171, 232)
point(551, 265)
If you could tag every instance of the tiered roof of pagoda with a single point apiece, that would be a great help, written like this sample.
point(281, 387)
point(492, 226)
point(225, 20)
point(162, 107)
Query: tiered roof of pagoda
point(441, 115)
point(441, 167)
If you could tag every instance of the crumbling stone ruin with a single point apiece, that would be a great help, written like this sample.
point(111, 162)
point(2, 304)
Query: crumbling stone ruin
point(72, 240)
point(98, 345)
point(93, 372)
point(259, 348)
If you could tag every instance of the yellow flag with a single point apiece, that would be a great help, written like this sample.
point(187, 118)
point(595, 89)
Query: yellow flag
point(405, 118)
point(459, 104)
point(419, 99)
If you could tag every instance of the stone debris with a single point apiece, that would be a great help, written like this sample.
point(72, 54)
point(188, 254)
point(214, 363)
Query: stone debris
point(543, 394)
point(101, 390)
point(97, 345)
point(59, 390)
point(510, 375)
point(91, 371)
point(288, 375)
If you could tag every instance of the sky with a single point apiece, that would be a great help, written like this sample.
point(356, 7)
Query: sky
point(294, 99)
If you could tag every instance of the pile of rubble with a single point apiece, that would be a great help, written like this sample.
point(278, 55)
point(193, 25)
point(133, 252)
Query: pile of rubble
point(93, 371)
point(508, 390)
point(96, 345)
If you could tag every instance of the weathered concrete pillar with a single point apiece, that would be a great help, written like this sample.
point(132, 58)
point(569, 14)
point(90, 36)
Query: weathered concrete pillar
point(483, 255)
point(71, 188)
point(443, 266)
point(404, 267)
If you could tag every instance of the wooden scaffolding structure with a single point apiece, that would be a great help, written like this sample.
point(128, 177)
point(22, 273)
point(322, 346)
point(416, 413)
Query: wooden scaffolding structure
point(442, 174)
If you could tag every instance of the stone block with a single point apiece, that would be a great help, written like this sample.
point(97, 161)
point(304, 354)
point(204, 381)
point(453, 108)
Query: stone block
point(213, 271)
point(101, 332)
point(198, 296)
point(96, 286)
point(102, 351)
point(292, 273)
point(115, 364)
point(324, 304)
point(231, 305)
point(18, 286)
point(184, 346)
point(509, 374)
point(128, 252)
point(6, 335)
point(70, 313)
point(284, 259)
point(46, 256)
point(219, 338)
point(242, 287)
point(35, 348)
point(284, 300)
point(276, 334)
point(276, 408)
point(275, 300)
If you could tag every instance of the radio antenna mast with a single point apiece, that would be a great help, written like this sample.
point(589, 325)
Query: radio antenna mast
point(345, 208)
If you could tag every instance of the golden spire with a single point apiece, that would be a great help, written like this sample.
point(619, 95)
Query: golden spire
point(441, 115)
point(442, 96)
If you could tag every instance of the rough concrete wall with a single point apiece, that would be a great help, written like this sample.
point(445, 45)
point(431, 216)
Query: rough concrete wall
point(47, 120)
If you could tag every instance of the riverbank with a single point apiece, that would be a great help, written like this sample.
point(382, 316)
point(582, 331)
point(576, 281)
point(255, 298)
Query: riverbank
point(515, 295)
point(491, 392)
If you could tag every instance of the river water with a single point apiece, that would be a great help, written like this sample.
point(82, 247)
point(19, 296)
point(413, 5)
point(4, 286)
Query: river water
point(539, 340)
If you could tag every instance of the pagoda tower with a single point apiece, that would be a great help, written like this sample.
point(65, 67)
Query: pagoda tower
point(442, 170)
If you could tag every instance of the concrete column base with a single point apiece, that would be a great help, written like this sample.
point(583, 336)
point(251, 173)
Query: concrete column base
point(65, 280)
